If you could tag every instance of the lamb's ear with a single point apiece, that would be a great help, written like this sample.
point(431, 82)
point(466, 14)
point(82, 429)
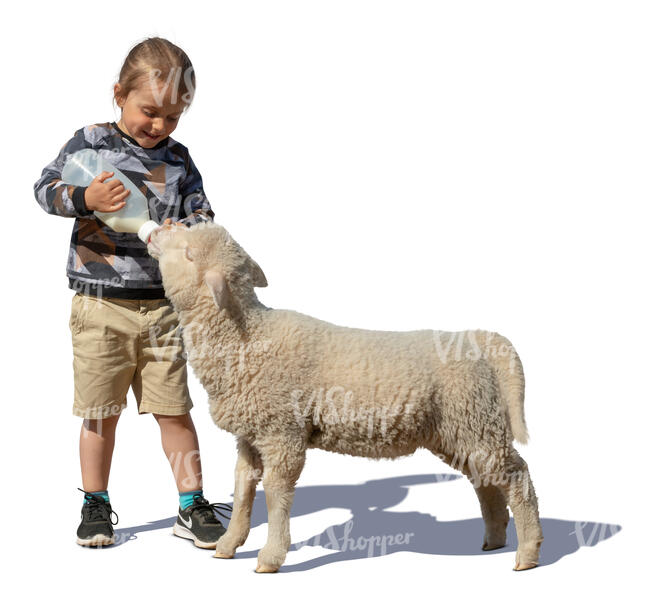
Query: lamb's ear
point(257, 275)
point(216, 282)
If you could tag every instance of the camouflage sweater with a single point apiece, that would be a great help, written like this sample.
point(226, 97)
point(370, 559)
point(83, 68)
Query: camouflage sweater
point(116, 264)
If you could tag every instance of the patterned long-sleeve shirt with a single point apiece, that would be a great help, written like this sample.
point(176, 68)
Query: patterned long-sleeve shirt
point(117, 264)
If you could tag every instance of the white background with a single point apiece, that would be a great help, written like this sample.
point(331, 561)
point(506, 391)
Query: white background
point(390, 165)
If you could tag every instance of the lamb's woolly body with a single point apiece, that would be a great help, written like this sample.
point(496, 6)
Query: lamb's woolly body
point(312, 376)
point(282, 381)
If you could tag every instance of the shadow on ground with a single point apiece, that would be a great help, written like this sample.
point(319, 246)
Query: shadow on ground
point(372, 531)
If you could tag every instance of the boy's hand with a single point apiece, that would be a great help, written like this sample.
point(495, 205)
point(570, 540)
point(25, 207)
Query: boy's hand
point(168, 222)
point(105, 196)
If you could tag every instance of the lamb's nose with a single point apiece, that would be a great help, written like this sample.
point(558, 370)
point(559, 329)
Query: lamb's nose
point(160, 230)
point(154, 239)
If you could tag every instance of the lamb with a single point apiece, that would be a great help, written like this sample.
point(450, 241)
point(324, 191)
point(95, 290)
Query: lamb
point(283, 382)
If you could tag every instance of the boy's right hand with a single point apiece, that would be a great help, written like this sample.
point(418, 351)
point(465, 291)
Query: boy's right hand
point(105, 196)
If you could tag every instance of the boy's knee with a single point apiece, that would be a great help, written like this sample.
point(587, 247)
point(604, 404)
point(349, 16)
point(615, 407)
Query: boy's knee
point(98, 425)
point(102, 427)
point(183, 420)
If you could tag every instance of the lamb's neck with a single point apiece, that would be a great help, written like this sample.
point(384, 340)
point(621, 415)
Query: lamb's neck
point(233, 324)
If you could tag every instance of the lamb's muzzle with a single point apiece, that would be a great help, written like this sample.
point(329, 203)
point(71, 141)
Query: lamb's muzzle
point(280, 381)
point(157, 236)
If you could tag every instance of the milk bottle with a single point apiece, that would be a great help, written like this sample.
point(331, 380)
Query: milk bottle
point(83, 166)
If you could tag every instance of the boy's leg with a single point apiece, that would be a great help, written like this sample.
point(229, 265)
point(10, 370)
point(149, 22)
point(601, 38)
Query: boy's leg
point(160, 388)
point(96, 443)
point(104, 336)
point(181, 446)
point(104, 341)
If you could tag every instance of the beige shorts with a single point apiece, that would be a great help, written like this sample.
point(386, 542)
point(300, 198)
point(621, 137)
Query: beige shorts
point(119, 343)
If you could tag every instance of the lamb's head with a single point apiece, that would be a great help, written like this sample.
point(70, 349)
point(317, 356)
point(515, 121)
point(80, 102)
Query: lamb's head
point(204, 260)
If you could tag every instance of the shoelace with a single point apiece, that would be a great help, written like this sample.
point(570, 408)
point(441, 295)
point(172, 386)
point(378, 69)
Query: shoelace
point(207, 511)
point(98, 508)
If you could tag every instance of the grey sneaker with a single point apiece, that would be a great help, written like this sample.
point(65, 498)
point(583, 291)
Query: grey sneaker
point(199, 523)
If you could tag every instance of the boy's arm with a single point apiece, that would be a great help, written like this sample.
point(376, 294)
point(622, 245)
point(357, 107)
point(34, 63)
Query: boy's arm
point(196, 206)
point(55, 196)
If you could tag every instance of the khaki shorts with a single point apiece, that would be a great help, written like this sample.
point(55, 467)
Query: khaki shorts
point(119, 343)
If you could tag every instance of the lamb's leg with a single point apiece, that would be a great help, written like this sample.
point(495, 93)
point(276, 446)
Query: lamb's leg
point(282, 467)
point(491, 497)
point(495, 515)
point(248, 472)
point(520, 495)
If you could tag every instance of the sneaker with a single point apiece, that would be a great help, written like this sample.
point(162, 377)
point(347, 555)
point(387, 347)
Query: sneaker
point(199, 523)
point(96, 528)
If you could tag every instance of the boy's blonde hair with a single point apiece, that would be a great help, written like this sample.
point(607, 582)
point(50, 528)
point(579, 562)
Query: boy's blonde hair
point(156, 58)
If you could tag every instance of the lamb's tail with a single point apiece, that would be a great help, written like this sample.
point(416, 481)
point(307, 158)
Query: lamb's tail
point(510, 373)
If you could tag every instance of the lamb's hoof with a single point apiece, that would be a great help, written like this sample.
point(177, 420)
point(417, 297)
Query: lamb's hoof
point(225, 556)
point(487, 546)
point(495, 538)
point(525, 566)
point(527, 555)
point(270, 558)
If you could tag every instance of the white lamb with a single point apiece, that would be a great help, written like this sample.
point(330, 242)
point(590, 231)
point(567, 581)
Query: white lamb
point(283, 382)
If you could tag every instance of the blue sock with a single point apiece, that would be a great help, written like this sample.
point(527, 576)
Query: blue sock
point(186, 498)
point(103, 494)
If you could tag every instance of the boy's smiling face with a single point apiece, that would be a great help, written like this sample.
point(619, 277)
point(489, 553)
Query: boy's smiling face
point(147, 113)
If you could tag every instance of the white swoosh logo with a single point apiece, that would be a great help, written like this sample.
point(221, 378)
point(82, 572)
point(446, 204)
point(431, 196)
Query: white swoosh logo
point(188, 522)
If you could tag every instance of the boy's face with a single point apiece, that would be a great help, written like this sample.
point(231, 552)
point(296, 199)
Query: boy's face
point(147, 113)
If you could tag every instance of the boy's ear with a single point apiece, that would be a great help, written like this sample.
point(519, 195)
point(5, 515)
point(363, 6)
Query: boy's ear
point(218, 286)
point(117, 94)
